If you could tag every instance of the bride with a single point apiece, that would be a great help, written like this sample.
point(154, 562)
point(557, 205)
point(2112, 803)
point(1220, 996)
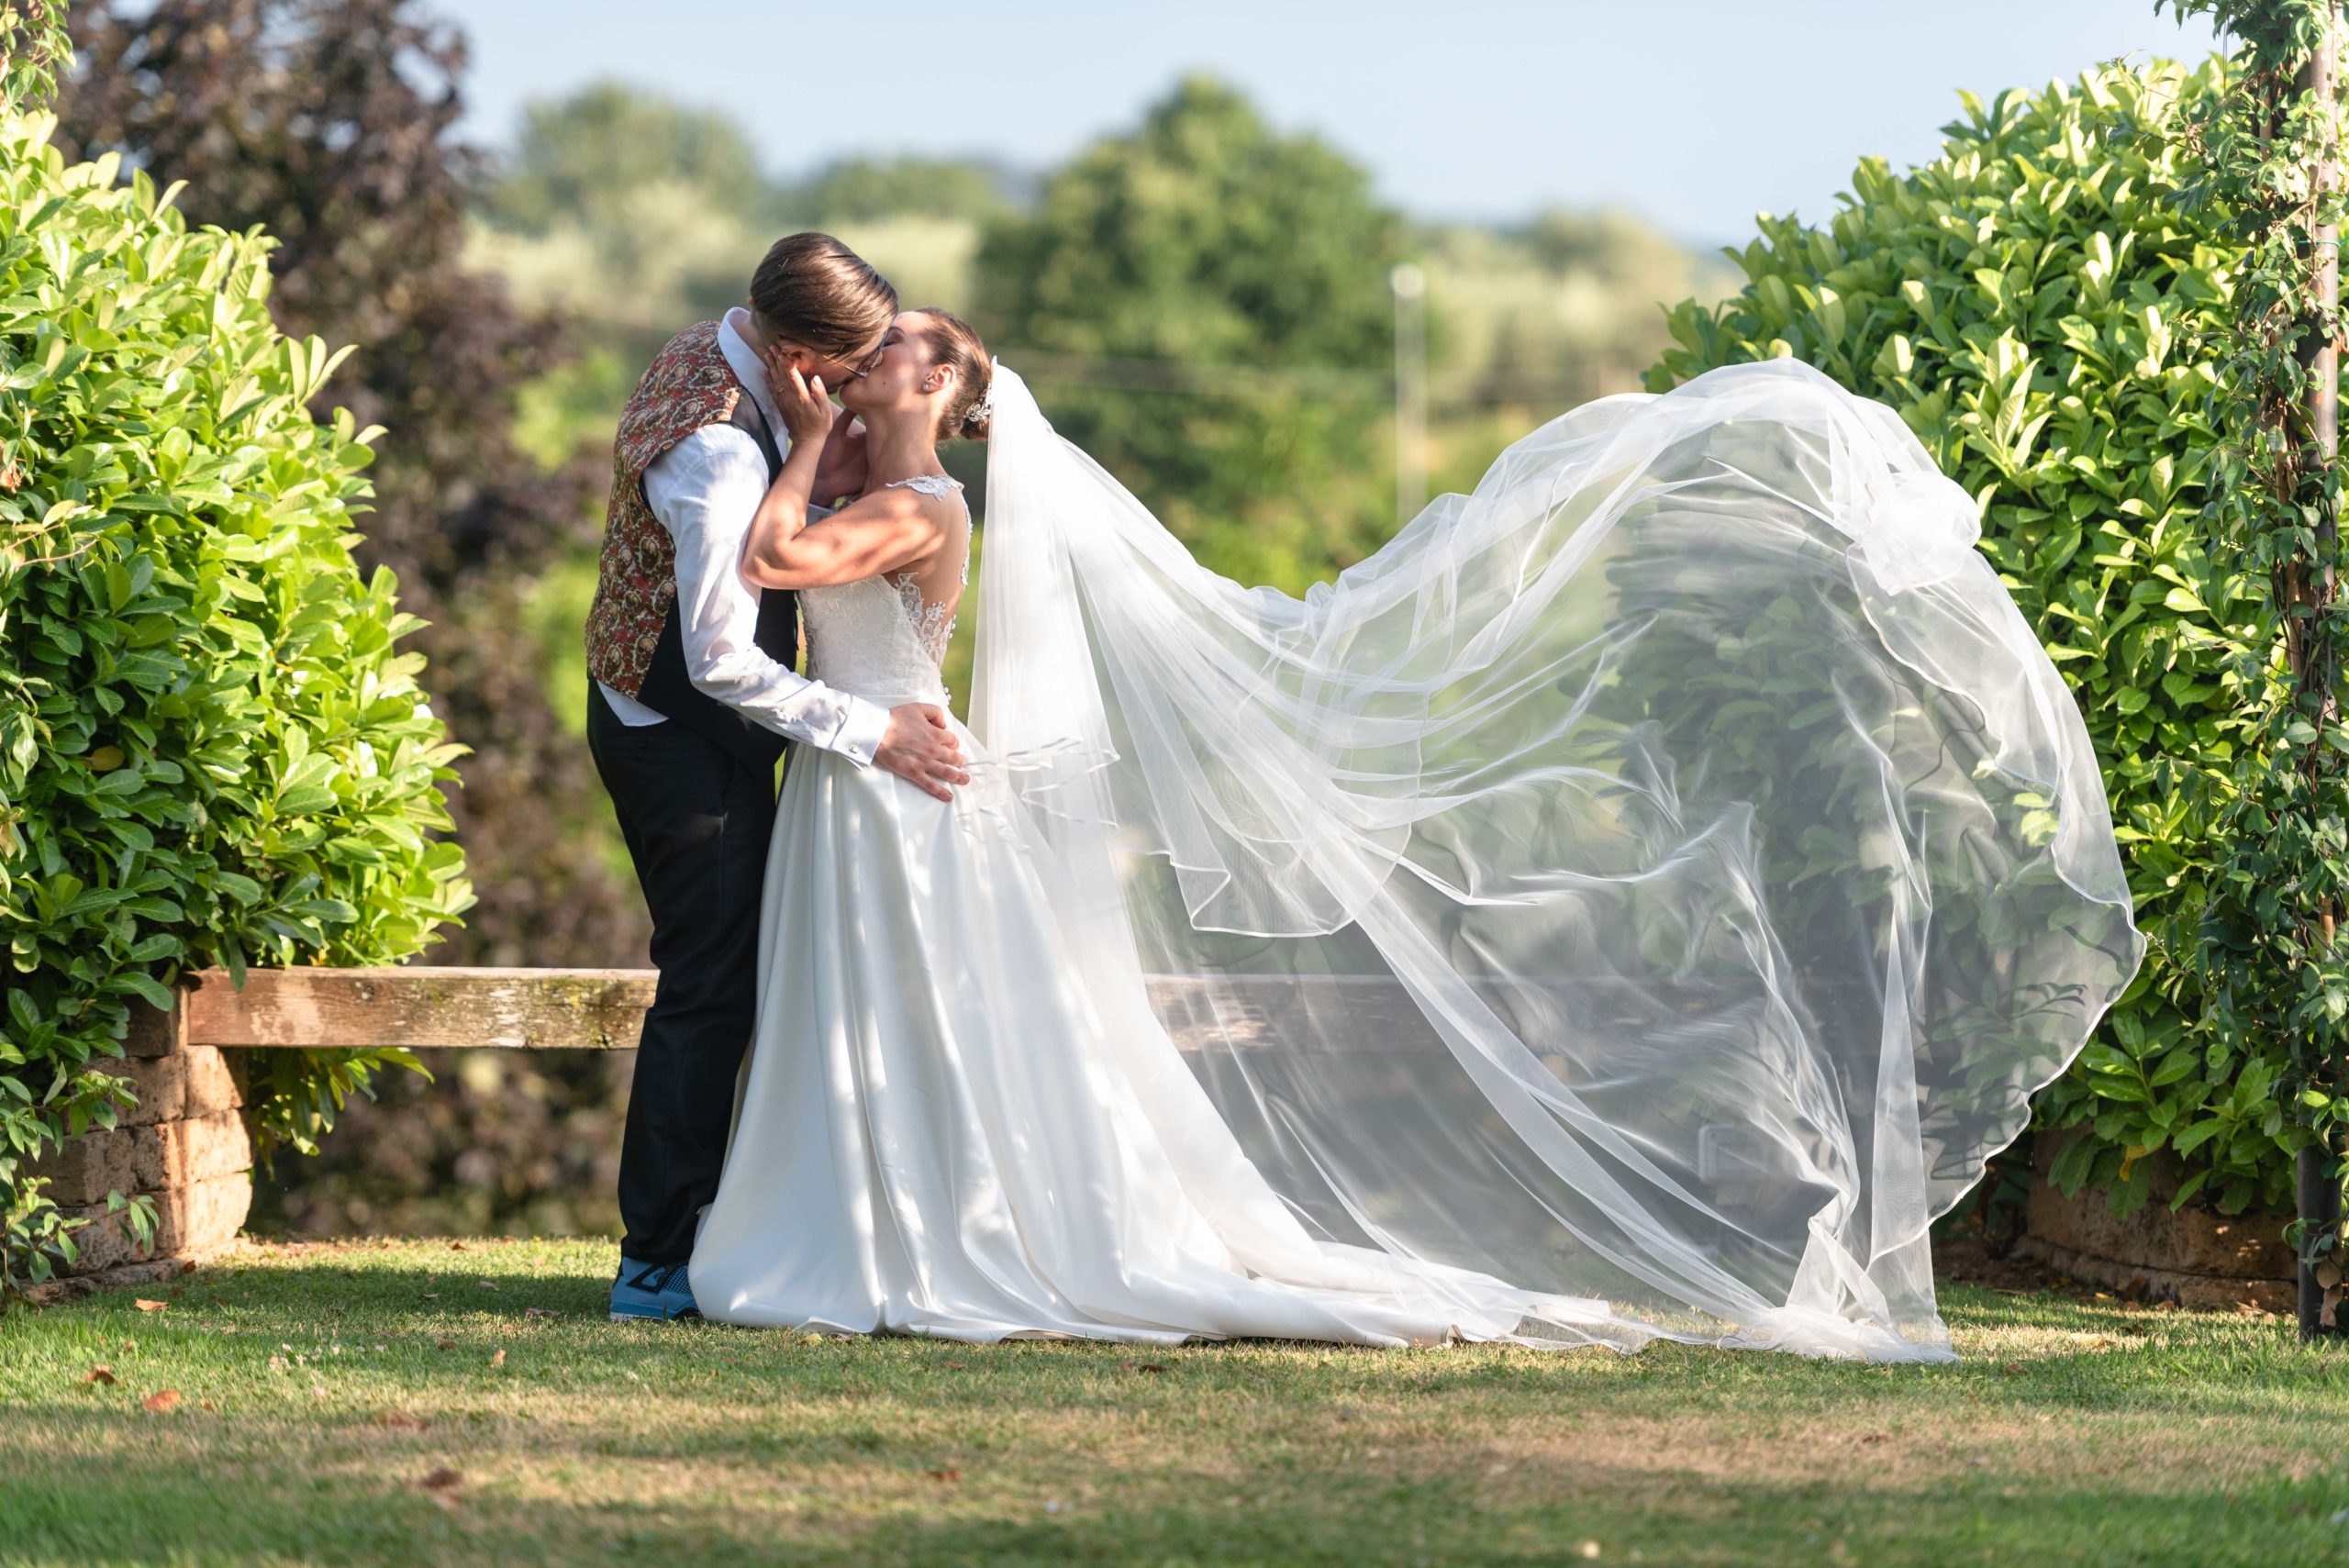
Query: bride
point(1634, 903)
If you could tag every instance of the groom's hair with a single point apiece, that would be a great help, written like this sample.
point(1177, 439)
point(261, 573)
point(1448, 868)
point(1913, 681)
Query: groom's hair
point(814, 291)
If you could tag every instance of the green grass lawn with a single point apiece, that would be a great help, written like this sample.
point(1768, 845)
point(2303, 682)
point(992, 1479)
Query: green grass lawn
point(413, 1403)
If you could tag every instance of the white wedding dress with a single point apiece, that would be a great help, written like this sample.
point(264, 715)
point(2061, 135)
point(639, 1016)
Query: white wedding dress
point(1632, 904)
point(946, 1126)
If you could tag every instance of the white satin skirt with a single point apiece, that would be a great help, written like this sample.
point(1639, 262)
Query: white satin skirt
point(960, 1116)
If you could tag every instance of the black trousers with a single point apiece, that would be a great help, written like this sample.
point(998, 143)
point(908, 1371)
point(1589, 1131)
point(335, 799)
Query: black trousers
point(696, 820)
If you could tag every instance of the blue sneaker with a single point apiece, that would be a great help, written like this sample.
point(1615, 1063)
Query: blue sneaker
point(653, 1290)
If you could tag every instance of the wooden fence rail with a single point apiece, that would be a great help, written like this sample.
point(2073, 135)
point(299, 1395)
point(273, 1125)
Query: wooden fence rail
point(421, 1008)
point(426, 1008)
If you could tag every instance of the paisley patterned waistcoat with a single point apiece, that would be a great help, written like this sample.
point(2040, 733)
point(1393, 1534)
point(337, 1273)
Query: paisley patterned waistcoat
point(634, 645)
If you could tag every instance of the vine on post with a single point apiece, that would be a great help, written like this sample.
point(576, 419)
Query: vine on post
point(2268, 153)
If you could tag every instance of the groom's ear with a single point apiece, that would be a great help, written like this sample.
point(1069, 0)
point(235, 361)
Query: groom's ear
point(806, 361)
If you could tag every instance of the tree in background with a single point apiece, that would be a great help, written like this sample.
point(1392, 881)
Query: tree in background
point(1208, 239)
point(874, 190)
point(329, 122)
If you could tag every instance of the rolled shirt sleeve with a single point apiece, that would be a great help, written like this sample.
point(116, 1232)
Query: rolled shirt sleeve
point(704, 490)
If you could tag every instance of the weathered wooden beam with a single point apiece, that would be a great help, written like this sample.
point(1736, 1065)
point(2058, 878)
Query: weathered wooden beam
point(602, 1009)
point(422, 1007)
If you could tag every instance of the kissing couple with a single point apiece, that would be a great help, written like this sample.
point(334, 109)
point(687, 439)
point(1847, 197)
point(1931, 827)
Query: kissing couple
point(1634, 902)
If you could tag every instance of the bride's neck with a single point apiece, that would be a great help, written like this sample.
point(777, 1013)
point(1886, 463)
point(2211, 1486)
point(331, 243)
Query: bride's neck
point(895, 450)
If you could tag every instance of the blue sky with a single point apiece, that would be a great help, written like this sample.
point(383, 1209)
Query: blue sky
point(1694, 113)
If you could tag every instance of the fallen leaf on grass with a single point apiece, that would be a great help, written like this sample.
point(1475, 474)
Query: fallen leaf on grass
point(958, 1365)
point(146, 1305)
point(486, 1283)
point(431, 1296)
point(497, 1357)
point(161, 1401)
point(401, 1421)
point(446, 1345)
point(276, 1363)
point(1142, 1366)
point(538, 1312)
point(456, 1245)
point(943, 1474)
point(100, 1374)
point(206, 1406)
point(443, 1485)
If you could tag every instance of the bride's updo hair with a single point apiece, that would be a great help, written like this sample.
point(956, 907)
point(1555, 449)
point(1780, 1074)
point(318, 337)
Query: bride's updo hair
point(951, 342)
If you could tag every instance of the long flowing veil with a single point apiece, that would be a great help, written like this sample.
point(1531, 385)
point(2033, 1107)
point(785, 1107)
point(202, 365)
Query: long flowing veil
point(1658, 879)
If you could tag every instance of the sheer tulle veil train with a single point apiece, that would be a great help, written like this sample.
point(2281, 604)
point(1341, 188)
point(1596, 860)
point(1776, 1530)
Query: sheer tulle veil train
point(1657, 880)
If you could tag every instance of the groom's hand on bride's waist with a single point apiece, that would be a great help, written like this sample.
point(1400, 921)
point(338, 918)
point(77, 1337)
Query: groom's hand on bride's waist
point(919, 748)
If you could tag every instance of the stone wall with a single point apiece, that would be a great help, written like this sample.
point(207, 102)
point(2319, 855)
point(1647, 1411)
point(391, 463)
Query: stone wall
point(183, 1145)
point(2194, 1257)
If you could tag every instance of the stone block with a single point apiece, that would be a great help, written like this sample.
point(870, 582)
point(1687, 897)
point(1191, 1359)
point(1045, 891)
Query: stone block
point(159, 1082)
point(202, 1148)
point(189, 1222)
point(207, 1215)
point(211, 1086)
point(156, 1159)
point(154, 1032)
point(107, 1242)
point(87, 1168)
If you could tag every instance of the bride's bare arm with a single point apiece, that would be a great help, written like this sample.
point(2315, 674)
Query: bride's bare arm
point(877, 533)
point(880, 532)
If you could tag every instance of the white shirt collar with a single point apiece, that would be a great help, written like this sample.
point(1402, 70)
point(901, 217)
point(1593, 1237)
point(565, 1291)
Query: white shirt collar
point(749, 370)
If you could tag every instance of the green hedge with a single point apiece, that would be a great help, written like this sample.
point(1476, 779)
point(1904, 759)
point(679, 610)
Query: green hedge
point(211, 749)
point(2049, 322)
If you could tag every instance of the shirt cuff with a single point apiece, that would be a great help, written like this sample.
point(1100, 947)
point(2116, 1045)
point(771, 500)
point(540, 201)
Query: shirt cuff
point(861, 731)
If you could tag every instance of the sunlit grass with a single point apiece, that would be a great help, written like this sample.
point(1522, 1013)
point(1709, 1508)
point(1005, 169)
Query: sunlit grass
point(351, 1404)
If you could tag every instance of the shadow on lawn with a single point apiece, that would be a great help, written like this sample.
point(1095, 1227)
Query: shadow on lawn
point(1079, 1510)
point(596, 1441)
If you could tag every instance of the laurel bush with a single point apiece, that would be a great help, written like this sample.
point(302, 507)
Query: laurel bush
point(212, 749)
point(2050, 321)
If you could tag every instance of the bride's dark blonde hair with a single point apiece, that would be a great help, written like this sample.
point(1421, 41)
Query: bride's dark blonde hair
point(951, 342)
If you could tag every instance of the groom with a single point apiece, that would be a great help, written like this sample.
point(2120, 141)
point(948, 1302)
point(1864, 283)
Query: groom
point(694, 698)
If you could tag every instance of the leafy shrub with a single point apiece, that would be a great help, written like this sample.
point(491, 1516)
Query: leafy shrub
point(211, 751)
point(2050, 323)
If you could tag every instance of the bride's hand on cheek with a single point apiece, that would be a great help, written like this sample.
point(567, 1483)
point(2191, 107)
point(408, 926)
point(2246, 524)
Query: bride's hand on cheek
point(841, 470)
point(805, 408)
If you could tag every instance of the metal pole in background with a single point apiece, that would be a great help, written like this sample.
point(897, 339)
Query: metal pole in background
point(1410, 287)
point(2319, 1184)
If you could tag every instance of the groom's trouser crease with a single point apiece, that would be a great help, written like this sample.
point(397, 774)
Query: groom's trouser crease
point(696, 822)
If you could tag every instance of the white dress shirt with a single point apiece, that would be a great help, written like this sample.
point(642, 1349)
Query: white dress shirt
point(704, 490)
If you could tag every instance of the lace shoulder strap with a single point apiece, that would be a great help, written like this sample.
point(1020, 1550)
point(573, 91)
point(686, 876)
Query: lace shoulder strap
point(935, 485)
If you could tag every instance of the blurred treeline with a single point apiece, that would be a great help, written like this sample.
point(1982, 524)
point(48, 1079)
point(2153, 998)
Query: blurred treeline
point(1200, 299)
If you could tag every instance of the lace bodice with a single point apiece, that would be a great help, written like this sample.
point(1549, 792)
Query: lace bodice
point(878, 638)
